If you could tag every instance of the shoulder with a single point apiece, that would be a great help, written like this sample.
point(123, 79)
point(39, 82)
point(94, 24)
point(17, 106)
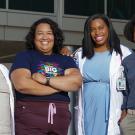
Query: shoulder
point(22, 59)
point(3, 68)
point(129, 57)
point(63, 57)
point(25, 52)
point(125, 50)
point(77, 54)
point(22, 53)
point(78, 51)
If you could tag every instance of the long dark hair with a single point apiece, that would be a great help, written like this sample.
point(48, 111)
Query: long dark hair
point(129, 29)
point(58, 35)
point(87, 42)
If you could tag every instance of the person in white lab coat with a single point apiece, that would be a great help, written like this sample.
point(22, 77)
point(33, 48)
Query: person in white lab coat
point(99, 60)
point(6, 103)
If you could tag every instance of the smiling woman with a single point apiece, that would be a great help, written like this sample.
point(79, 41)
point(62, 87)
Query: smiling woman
point(44, 39)
point(42, 78)
point(99, 33)
point(99, 105)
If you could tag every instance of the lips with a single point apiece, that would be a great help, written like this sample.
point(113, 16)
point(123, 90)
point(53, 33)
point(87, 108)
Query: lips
point(44, 42)
point(99, 38)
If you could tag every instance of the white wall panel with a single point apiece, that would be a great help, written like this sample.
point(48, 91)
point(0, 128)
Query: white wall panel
point(3, 18)
point(24, 19)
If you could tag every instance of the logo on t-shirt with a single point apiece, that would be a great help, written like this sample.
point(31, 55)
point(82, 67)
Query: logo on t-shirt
point(50, 69)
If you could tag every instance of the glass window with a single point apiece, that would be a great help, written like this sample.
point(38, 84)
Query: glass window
point(121, 9)
point(2, 3)
point(83, 7)
point(32, 5)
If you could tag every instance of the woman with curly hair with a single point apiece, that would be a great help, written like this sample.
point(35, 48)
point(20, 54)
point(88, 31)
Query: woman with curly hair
point(42, 78)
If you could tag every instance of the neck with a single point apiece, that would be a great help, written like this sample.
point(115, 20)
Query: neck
point(101, 49)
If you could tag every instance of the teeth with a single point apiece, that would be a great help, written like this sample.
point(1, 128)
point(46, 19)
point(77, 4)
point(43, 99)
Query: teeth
point(99, 38)
point(45, 42)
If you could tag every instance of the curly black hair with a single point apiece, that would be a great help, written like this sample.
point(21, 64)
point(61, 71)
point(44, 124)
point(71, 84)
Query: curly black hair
point(58, 35)
point(129, 29)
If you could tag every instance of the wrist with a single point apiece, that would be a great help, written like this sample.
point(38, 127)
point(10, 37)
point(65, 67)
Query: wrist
point(47, 81)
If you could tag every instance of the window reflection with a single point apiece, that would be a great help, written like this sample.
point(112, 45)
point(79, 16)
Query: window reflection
point(83, 7)
point(2, 3)
point(121, 9)
point(32, 5)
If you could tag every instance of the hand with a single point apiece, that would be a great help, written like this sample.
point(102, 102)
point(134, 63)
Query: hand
point(123, 115)
point(39, 78)
point(65, 51)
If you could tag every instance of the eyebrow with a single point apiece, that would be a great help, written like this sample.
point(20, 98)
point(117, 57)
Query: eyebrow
point(43, 31)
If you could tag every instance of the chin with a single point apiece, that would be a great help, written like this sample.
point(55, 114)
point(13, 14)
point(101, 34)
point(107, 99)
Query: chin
point(99, 45)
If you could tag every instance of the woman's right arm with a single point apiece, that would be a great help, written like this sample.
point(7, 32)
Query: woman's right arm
point(23, 83)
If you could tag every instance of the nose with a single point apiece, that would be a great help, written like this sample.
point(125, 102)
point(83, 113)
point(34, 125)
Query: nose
point(44, 36)
point(97, 31)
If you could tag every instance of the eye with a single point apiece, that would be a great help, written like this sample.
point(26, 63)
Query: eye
point(101, 28)
point(92, 29)
point(50, 33)
point(39, 33)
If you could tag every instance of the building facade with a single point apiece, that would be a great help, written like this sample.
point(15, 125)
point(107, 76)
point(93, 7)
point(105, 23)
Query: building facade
point(16, 16)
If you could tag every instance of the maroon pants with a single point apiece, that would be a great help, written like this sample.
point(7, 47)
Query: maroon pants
point(42, 118)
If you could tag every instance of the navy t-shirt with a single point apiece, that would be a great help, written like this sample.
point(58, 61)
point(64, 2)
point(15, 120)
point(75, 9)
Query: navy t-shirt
point(48, 65)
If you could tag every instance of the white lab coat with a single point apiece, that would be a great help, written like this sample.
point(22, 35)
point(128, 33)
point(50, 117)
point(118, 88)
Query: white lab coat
point(5, 72)
point(116, 98)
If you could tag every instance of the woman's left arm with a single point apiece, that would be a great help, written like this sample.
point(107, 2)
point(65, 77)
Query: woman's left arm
point(71, 81)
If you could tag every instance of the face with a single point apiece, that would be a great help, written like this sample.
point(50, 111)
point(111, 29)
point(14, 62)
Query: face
point(99, 32)
point(44, 38)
